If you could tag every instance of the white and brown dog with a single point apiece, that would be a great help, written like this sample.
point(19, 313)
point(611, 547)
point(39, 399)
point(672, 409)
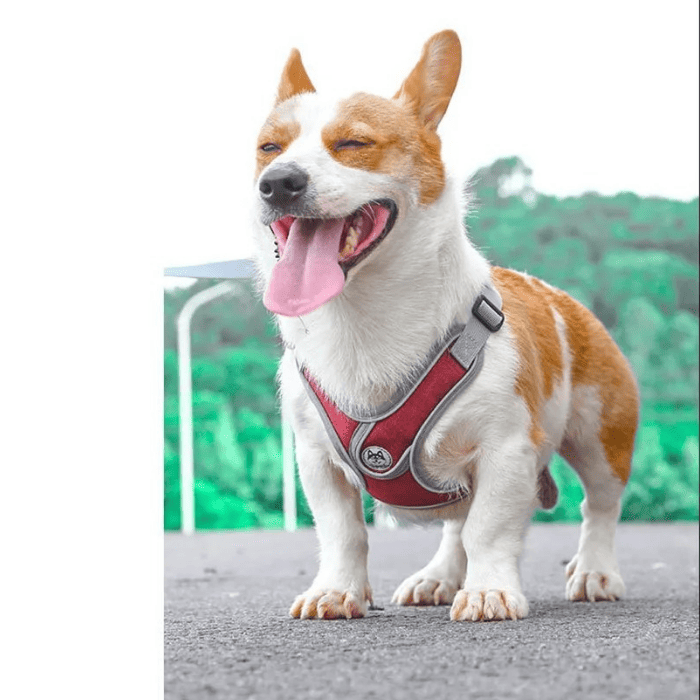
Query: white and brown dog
point(417, 370)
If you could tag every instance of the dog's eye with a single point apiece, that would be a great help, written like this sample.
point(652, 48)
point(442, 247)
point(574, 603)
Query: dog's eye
point(350, 144)
point(270, 148)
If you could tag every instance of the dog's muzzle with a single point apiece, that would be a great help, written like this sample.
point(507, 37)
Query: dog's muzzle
point(316, 253)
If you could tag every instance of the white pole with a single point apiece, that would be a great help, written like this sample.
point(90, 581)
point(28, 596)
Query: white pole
point(184, 362)
point(289, 491)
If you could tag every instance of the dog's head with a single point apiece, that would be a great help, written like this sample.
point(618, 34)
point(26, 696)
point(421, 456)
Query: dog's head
point(332, 180)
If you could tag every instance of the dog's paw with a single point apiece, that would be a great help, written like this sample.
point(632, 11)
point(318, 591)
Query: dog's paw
point(424, 590)
point(476, 605)
point(331, 604)
point(592, 583)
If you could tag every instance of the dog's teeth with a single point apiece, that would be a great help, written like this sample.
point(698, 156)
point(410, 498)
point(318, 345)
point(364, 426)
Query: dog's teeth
point(350, 242)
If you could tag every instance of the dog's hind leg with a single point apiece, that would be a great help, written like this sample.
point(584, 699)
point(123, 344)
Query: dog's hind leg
point(602, 458)
point(438, 581)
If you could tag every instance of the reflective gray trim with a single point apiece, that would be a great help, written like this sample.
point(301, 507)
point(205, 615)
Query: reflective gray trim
point(491, 293)
point(471, 337)
point(398, 469)
point(403, 394)
point(356, 447)
point(475, 333)
point(357, 438)
point(469, 343)
point(330, 430)
point(460, 496)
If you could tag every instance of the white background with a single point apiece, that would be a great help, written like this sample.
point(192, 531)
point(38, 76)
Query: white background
point(593, 96)
point(127, 146)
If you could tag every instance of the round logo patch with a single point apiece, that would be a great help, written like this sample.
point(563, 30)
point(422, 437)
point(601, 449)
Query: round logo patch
point(376, 458)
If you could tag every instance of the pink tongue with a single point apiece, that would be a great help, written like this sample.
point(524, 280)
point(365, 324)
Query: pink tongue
point(308, 275)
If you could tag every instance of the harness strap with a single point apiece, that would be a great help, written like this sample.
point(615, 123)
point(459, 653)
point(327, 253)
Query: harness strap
point(383, 448)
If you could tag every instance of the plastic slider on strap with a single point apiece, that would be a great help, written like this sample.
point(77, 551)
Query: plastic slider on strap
point(488, 313)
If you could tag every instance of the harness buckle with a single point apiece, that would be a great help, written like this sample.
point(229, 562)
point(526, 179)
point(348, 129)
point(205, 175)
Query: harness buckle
point(490, 315)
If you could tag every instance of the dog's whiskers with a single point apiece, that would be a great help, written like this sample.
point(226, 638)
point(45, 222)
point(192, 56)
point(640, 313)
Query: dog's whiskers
point(370, 212)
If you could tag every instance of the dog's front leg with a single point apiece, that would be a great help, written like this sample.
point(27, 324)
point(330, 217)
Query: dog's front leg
point(341, 587)
point(504, 499)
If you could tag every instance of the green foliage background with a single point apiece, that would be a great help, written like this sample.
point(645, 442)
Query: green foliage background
point(631, 260)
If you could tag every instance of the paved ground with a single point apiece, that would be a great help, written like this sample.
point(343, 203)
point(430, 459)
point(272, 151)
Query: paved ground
point(227, 633)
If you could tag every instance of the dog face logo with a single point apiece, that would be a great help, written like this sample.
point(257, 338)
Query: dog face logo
point(376, 458)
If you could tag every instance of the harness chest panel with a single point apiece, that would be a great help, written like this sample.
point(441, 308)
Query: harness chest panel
point(384, 448)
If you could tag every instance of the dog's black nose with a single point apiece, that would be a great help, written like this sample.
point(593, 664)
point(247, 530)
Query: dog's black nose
point(283, 184)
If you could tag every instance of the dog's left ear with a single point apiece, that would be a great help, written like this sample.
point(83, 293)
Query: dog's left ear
point(429, 87)
point(294, 78)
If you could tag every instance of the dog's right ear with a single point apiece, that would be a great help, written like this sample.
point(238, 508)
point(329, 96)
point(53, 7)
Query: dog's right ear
point(294, 78)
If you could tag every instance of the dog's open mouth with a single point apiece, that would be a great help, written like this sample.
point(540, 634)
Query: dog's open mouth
point(316, 254)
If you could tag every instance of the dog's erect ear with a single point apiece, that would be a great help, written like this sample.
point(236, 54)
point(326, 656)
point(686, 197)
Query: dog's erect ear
point(294, 78)
point(429, 87)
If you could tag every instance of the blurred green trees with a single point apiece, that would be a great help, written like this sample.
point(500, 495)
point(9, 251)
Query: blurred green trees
point(237, 445)
point(632, 260)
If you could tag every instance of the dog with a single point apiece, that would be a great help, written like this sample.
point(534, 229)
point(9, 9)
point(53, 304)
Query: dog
point(379, 295)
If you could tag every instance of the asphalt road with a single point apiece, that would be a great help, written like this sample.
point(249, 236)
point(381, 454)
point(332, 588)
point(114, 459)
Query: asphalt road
point(228, 634)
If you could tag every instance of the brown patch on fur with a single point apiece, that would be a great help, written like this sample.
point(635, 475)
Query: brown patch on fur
point(399, 134)
point(579, 595)
point(530, 318)
point(279, 129)
point(276, 130)
point(331, 606)
point(547, 490)
point(618, 430)
point(597, 361)
point(294, 78)
point(297, 605)
point(396, 143)
point(312, 610)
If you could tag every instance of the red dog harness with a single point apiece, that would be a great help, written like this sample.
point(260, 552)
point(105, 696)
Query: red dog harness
point(383, 447)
